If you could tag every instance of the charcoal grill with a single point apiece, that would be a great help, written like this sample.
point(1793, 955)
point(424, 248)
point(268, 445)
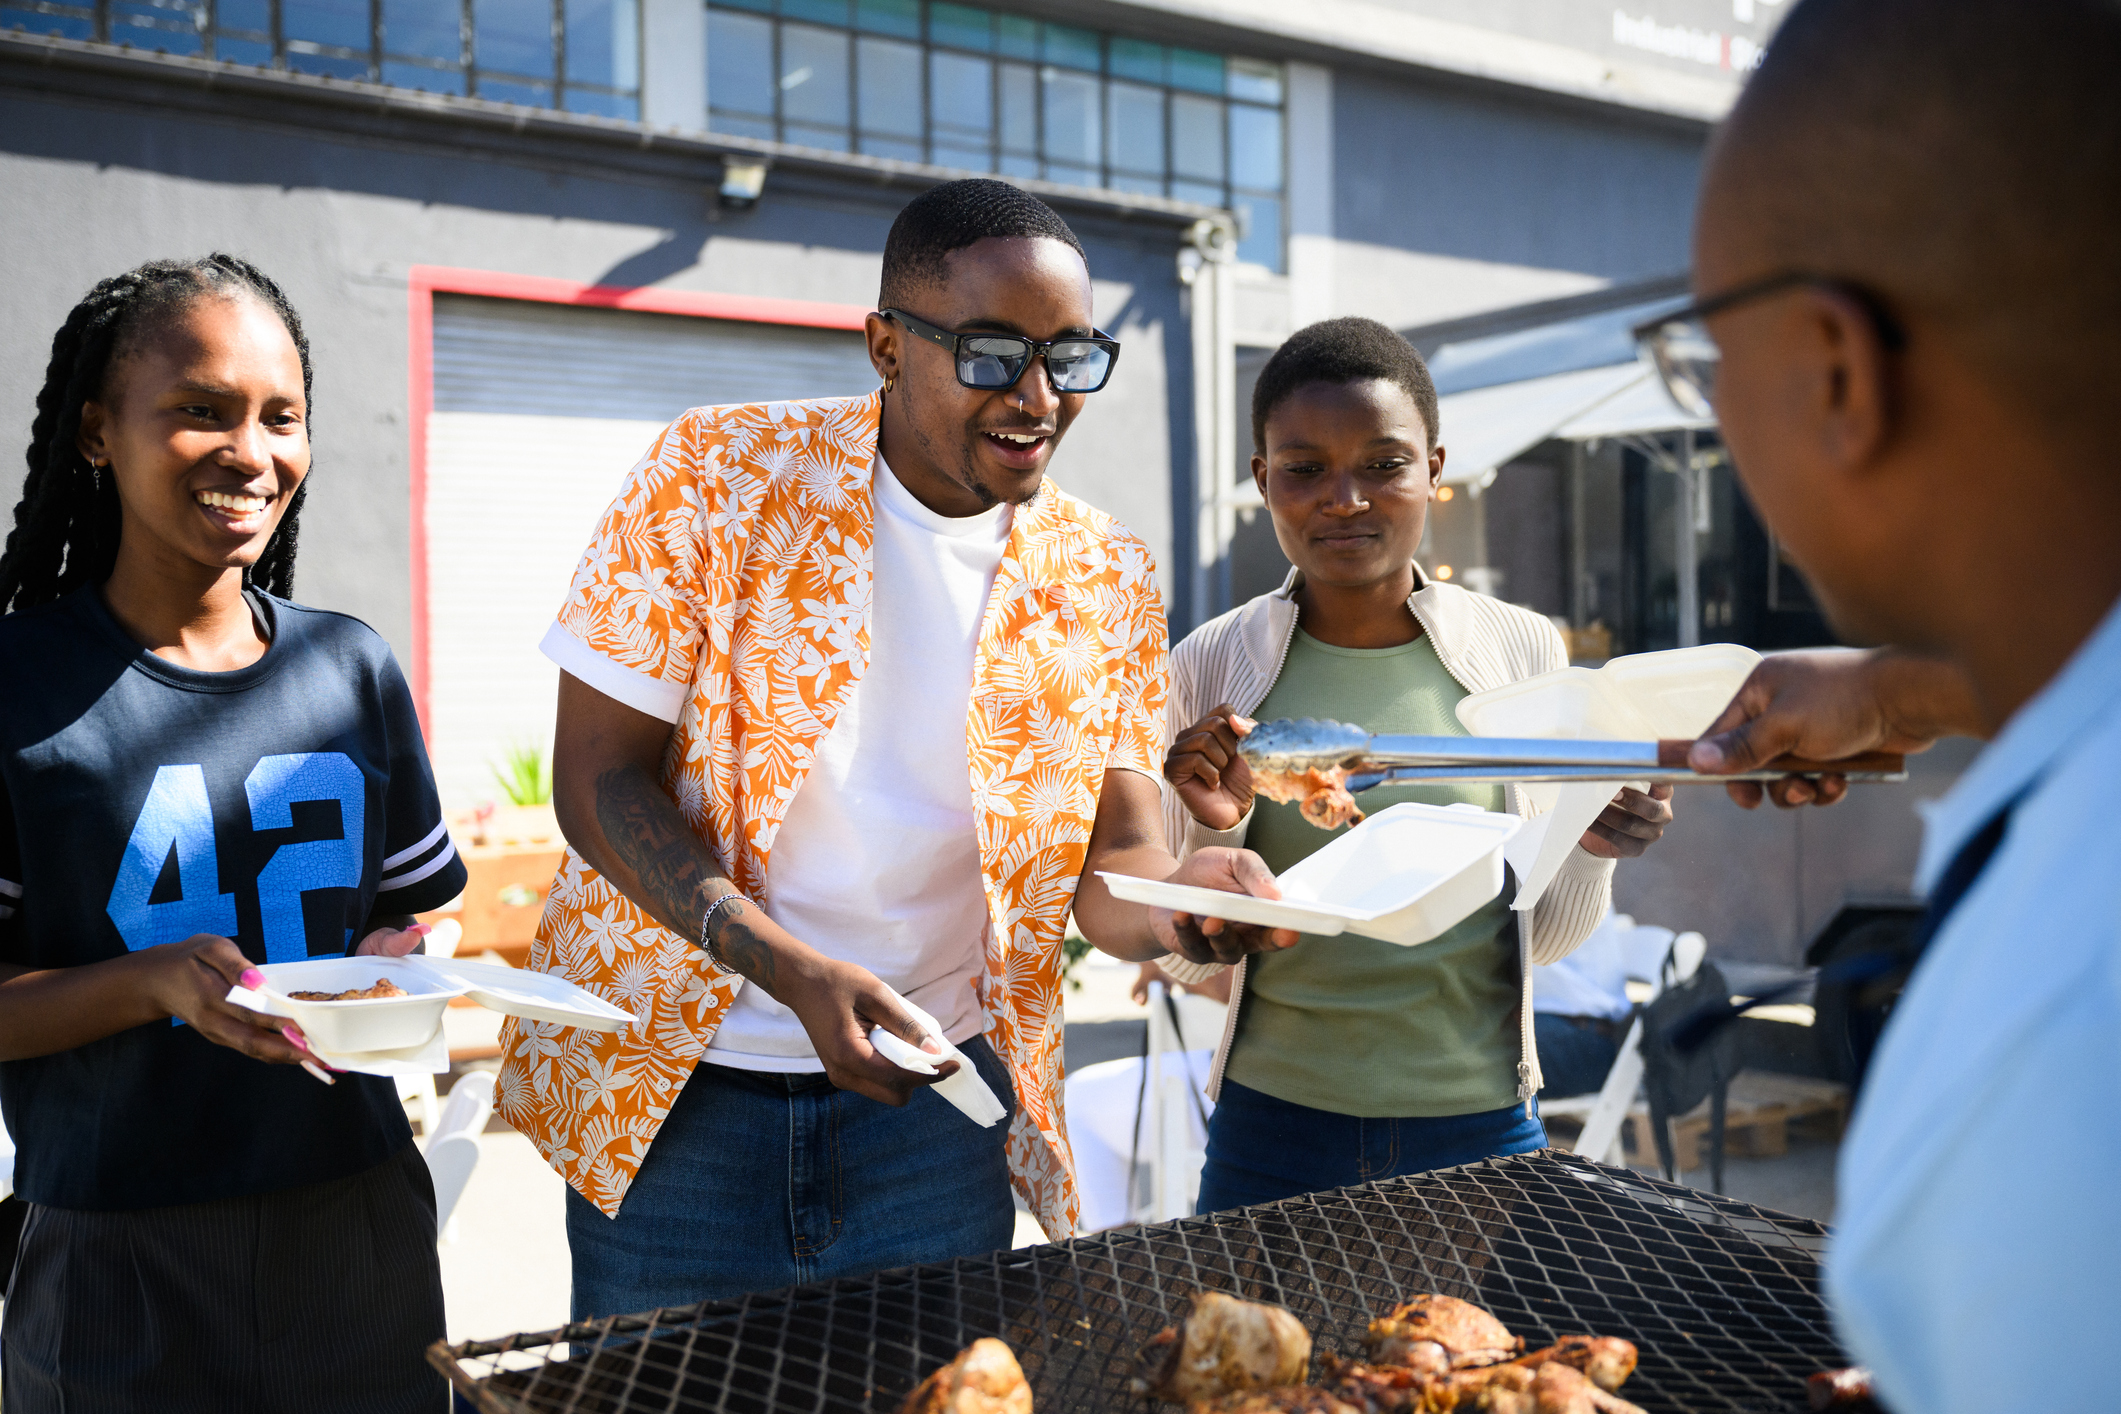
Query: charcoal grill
point(1721, 1297)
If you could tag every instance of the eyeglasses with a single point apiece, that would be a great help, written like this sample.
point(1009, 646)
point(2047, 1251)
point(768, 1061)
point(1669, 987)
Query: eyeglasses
point(1679, 346)
point(992, 362)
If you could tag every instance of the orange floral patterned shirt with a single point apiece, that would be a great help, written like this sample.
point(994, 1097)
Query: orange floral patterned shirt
point(732, 575)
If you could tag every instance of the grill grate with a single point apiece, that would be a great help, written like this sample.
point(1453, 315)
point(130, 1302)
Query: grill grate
point(1722, 1298)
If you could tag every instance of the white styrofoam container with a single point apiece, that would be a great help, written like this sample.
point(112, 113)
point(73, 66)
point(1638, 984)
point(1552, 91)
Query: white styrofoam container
point(368, 1024)
point(1641, 697)
point(1406, 874)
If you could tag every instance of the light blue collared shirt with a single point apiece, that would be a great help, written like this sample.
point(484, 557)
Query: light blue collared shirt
point(1980, 1185)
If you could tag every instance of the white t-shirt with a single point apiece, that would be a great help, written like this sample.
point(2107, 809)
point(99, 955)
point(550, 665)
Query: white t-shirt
point(877, 862)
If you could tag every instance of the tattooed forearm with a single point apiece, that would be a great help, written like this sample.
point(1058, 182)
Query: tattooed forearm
point(731, 942)
point(679, 876)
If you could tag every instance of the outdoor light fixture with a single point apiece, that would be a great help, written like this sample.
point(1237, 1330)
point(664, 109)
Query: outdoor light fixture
point(742, 181)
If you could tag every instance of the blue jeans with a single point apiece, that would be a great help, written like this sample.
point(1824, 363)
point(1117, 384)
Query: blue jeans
point(760, 1181)
point(1573, 1055)
point(1261, 1149)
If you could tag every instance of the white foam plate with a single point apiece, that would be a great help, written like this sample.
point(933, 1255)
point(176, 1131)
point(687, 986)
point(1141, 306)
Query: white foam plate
point(1405, 875)
point(534, 996)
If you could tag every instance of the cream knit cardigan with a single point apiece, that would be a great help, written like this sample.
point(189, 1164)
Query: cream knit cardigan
point(1483, 643)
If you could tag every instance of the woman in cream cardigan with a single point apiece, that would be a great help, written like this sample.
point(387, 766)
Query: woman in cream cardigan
point(1347, 1059)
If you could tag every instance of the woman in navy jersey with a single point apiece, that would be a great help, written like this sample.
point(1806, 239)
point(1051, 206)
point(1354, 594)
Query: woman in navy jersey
point(198, 775)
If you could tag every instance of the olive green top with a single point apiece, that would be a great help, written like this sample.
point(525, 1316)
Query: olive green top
point(1355, 1025)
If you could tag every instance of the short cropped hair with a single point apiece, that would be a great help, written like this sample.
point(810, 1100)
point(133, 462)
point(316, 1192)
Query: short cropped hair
point(1962, 159)
point(952, 216)
point(1350, 350)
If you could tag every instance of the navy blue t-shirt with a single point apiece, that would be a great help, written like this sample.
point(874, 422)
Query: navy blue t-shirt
point(282, 805)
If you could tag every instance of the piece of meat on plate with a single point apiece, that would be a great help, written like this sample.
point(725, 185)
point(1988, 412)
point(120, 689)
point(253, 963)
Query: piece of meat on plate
point(384, 988)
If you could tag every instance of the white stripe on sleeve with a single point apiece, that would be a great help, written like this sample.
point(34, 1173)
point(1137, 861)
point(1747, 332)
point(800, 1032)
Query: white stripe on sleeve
point(406, 880)
point(417, 850)
point(10, 888)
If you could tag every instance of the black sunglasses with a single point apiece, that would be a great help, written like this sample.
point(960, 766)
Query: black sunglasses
point(1679, 346)
point(992, 362)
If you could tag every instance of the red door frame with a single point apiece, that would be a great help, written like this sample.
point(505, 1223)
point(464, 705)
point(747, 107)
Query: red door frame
point(426, 281)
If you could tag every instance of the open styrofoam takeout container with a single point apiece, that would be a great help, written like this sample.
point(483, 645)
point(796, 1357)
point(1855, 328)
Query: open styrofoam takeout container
point(393, 1023)
point(1406, 874)
point(1675, 694)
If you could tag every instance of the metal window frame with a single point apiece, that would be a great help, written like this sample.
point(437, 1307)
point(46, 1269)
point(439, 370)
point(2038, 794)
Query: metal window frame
point(211, 32)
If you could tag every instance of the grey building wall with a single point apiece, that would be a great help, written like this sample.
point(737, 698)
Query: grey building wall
point(99, 174)
point(1450, 198)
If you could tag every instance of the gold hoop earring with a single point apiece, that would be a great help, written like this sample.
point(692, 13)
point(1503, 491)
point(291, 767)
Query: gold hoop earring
point(890, 381)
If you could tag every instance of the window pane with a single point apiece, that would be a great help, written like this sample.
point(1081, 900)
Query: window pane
point(1018, 166)
point(256, 15)
point(743, 127)
point(1206, 193)
point(1136, 123)
point(739, 64)
point(764, 7)
point(1017, 97)
point(1071, 120)
point(824, 12)
point(899, 17)
point(897, 148)
point(969, 159)
point(1135, 59)
point(960, 26)
point(259, 55)
point(813, 76)
point(1073, 176)
point(1261, 242)
point(891, 89)
point(603, 44)
point(343, 23)
point(164, 25)
point(1255, 147)
point(423, 78)
point(1071, 48)
point(531, 95)
point(1197, 137)
point(1190, 68)
point(1016, 37)
point(77, 25)
point(1138, 186)
point(604, 105)
point(960, 94)
point(342, 68)
point(830, 139)
point(420, 28)
point(515, 35)
point(1259, 82)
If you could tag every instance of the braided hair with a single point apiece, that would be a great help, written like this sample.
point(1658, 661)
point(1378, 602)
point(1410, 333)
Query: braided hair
point(67, 522)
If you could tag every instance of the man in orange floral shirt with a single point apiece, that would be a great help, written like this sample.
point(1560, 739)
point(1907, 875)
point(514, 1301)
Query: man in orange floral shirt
point(854, 705)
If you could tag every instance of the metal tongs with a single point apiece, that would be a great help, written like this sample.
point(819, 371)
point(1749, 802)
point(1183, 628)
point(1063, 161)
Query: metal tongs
point(1315, 744)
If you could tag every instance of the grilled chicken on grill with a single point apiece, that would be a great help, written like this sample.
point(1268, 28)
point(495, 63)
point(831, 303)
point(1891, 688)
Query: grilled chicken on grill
point(1607, 1360)
point(1320, 796)
point(1225, 1346)
point(1285, 1399)
point(1433, 1334)
point(1846, 1390)
point(983, 1379)
point(1551, 1388)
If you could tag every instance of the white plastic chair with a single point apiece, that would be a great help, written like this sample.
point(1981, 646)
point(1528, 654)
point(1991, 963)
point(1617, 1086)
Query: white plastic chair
point(1604, 1116)
point(1173, 1145)
point(452, 1150)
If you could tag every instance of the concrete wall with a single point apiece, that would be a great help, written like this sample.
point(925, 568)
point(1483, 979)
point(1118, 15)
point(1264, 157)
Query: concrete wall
point(99, 176)
point(1449, 200)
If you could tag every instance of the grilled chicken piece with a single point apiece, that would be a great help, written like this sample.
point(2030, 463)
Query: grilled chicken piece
point(1320, 796)
point(1848, 1390)
point(983, 1379)
point(1551, 1388)
point(1608, 1360)
point(1225, 1346)
point(1432, 1334)
point(1284, 1399)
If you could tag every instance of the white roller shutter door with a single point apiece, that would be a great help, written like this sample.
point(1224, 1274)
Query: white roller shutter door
point(539, 412)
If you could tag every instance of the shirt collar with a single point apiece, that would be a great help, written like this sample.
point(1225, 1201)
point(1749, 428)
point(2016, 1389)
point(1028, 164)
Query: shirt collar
point(2036, 736)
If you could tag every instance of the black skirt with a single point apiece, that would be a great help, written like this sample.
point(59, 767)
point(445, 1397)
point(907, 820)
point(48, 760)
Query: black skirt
point(316, 1299)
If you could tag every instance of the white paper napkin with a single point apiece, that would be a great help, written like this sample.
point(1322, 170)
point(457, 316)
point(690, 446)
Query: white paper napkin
point(965, 1089)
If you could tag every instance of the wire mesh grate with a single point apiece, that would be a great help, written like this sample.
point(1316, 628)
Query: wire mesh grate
point(1721, 1298)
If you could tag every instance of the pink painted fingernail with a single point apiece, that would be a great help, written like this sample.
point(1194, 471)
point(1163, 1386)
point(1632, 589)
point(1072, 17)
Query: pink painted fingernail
point(251, 978)
point(421, 929)
point(296, 1039)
